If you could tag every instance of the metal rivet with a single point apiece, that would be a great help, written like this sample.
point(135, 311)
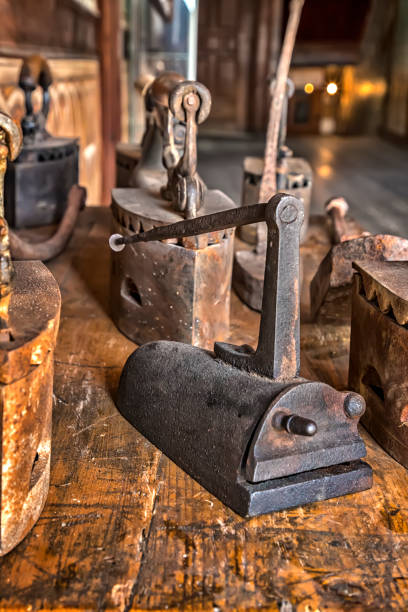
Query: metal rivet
point(288, 214)
point(354, 405)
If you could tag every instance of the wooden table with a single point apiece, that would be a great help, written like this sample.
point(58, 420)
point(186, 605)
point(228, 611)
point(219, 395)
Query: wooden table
point(124, 528)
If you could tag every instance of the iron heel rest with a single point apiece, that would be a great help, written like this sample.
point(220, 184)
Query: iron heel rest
point(243, 423)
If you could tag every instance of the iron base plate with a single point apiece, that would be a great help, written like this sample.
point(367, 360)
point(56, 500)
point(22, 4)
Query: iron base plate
point(248, 499)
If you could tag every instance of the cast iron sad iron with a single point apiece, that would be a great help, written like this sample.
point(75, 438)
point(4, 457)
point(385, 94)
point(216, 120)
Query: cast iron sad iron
point(243, 423)
point(39, 180)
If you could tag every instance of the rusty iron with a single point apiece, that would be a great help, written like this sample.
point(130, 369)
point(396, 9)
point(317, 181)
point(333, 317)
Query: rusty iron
point(330, 289)
point(341, 226)
point(278, 171)
point(246, 425)
point(178, 290)
point(29, 315)
point(39, 179)
point(379, 351)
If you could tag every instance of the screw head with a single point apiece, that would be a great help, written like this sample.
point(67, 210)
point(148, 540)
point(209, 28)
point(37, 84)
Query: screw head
point(288, 214)
point(354, 405)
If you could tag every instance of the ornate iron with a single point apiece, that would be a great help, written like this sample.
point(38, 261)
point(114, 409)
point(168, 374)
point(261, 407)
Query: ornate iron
point(39, 179)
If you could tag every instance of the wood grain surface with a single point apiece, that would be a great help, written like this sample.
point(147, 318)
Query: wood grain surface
point(125, 529)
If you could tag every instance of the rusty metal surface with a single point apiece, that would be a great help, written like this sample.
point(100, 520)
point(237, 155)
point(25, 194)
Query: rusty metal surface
point(170, 291)
point(247, 277)
point(247, 426)
point(342, 227)
point(335, 272)
point(379, 352)
point(26, 375)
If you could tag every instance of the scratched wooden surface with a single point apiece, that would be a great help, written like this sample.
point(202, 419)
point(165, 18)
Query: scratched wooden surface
point(124, 528)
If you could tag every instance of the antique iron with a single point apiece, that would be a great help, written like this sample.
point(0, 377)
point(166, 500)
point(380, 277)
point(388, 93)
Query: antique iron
point(178, 290)
point(330, 289)
point(145, 165)
point(279, 170)
point(29, 316)
point(379, 351)
point(39, 180)
point(246, 425)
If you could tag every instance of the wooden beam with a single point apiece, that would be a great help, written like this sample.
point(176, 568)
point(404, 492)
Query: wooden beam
point(109, 36)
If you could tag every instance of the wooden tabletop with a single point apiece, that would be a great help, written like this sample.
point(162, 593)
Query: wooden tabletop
point(125, 529)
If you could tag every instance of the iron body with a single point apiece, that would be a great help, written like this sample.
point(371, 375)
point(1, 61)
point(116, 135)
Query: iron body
point(245, 424)
point(166, 291)
point(379, 351)
point(38, 181)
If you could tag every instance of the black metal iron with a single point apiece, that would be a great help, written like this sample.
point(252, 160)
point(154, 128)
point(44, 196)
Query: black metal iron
point(38, 182)
point(241, 422)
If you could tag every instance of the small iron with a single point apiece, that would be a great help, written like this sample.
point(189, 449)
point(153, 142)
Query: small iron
point(179, 290)
point(38, 182)
point(243, 423)
point(278, 171)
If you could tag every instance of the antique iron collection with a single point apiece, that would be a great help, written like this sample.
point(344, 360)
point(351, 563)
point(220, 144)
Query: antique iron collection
point(248, 427)
point(173, 290)
point(29, 316)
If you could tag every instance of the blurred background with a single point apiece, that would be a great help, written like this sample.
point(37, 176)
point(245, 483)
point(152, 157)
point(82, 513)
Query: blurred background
point(348, 115)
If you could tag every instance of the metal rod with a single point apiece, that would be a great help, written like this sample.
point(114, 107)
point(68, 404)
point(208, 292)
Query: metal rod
point(268, 183)
point(233, 217)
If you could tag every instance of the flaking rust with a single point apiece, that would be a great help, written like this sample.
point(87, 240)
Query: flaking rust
point(29, 318)
point(247, 426)
point(330, 289)
point(39, 180)
point(379, 351)
point(176, 289)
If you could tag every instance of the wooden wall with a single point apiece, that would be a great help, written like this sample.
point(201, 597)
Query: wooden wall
point(396, 110)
